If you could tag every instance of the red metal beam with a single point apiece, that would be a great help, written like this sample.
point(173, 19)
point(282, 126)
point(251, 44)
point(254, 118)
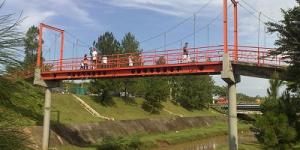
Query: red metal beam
point(225, 29)
point(158, 70)
point(235, 13)
point(40, 42)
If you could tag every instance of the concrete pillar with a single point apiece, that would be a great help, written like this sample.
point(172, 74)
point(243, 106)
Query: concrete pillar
point(47, 106)
point(231, 79)
point(232, 117)
point(46, 125)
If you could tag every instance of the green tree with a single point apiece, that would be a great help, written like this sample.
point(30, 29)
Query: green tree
point(31, 45)
point(195, 91)
point(276, 126)
point(11, 137)
point(275, 84)
point(274, 131)
point(288, 42)
point(10, 42)
point(107, 44)
point(220, 91)
point(130, 44)
point(157, 92)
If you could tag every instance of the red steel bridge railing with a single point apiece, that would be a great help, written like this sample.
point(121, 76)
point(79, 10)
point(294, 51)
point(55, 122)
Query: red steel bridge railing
point(209, 54)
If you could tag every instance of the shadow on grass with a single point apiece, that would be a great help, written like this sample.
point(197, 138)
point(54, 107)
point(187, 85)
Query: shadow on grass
point(104, 101)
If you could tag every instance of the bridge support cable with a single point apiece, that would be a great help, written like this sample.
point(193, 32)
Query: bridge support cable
point(40, 43)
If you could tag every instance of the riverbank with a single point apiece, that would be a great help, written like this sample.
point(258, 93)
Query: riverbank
point(167, 140)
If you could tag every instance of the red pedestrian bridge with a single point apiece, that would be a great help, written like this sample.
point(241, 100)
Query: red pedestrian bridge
point(250, 61)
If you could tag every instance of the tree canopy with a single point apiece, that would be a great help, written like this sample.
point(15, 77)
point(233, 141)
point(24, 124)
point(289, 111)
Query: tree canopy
point(288, 42)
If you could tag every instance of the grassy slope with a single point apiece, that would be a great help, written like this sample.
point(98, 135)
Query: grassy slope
point(25, 105)
point(70, 111)
point(66, 104)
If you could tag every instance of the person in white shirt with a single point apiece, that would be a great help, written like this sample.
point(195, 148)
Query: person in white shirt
point(130, 61)
point(94, 57)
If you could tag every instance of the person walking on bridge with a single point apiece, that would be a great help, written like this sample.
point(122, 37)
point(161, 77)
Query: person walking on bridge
point(185, 56)
point(85, 62)
point(94, 57)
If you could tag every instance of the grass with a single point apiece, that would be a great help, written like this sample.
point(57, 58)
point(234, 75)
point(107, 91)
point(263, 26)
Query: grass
point(24, 104)
point(174, 137)
point(70, 111)
point(70, 147)
point(150, 141)
point(123, 111)
point(183, 136)
point(66, 109)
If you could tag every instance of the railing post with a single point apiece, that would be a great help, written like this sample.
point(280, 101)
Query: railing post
point(197, 55)
point(117, 60)
point(264, 57)
point(167, 57)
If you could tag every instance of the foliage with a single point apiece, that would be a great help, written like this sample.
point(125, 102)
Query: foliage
point(104, 88)
point(275, 83)
point(243, 98)
point(195, 91)
point(274, 131)
point(10, 41)
point(157, 92)
point(106, 44)
point(220, 91)
point(288, 42)
point(130, 44)
point(31, 45)
point(11, 136)
point(120, 143)
point(276, 128)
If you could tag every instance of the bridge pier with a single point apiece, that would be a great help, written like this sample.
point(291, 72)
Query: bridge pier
point(47, 105)
point(231, 79)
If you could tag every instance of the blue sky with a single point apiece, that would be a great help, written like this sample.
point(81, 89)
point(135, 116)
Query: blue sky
point(87, 19)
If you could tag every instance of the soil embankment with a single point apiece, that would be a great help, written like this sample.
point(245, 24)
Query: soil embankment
point(92, 133)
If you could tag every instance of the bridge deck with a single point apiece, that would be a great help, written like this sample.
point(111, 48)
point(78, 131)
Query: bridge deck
point(203, 60)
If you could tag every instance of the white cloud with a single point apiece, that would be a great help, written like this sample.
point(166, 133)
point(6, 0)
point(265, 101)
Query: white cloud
point(36, 11)
point(34, 17)
point(178, 8)
point(248, 25)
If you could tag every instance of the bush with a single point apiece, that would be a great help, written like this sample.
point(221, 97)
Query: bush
point(106, 98)
point(120, 143)
point(274, 131)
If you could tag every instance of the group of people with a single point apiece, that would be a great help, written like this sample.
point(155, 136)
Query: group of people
point(85, 62)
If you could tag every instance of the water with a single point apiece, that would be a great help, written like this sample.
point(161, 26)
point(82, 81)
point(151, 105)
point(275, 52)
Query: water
point(212, 143)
